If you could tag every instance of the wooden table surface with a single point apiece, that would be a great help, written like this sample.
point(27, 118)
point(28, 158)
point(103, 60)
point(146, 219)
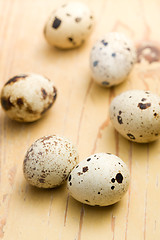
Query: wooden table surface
point(81, 114)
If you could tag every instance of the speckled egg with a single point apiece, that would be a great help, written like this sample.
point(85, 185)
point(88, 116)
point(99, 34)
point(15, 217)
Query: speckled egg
point(100, 180)
point(69, 25)
point(49, 161)
point(26, 97)
point(111, 59)
point(136, 115)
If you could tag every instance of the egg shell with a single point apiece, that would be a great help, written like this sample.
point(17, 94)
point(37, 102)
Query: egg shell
point(26, 97)
point(111, 59)
point(49, 161)
point(101, 179)
point(136, 115)
point(69, 25)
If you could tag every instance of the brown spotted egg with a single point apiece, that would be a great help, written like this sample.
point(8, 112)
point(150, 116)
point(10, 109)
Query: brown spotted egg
point(112, 59)
point(136, 115)
point(101, 179)
point(69, 25)
point(49, 161)
point(26, 97)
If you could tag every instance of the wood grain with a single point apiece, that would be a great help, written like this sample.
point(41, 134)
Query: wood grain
point(81, 114)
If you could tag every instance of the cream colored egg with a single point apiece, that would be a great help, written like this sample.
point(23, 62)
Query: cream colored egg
point(26, 97)
point(69, 25)
point(101, 179)
point(111, 59)
point(49, 161)
point(136, 115)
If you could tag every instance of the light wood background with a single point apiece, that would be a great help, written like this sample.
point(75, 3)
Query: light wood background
point(81, 114)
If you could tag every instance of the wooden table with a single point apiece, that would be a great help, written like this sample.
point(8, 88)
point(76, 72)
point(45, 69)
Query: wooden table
point(81, 114)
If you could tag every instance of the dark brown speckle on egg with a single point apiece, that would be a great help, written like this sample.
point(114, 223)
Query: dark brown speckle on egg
point(89, 159)
point(113, 54)
point(85, 169)
point(41, 180)
point(29, 109)
point(20, 102)
point(95, 63)
point(104, 42)
point(119, 178)
point(119, 118)
point(144, 106)
point(70, 39)
point(56, 23)
point(16, 79)
point(44, 93)
point(131, 136)
point(6, 103)
point(69, 179)
point(105, 83)
point(113, 180)
point(78, 19)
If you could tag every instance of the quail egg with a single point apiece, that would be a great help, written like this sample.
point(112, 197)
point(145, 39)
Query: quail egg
point(111, 59)
point(49, 161)
point(26, 97)
point(69, 25)
point(136, 115)
point(101, 179)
